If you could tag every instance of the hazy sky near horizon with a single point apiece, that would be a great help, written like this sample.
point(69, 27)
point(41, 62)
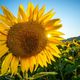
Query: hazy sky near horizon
point(67, 10)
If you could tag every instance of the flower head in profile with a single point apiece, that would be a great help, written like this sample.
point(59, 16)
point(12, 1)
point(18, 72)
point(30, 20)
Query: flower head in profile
point(28, 40)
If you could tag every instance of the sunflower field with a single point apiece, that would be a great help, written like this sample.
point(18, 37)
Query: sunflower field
point(67, 67)
point(32, 47)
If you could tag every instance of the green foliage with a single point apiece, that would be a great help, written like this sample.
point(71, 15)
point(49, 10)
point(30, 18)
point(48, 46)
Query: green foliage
point(65, 68)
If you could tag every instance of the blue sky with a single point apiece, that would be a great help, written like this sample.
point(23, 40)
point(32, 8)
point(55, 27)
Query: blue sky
point(67, 10)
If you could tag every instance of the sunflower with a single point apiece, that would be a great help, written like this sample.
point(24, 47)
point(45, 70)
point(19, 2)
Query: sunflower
point(28, 40)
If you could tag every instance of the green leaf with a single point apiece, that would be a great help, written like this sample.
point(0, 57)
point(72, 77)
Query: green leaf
point(41, 74)
point(69, 68)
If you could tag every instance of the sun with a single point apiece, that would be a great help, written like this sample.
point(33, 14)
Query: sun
point(28, 40)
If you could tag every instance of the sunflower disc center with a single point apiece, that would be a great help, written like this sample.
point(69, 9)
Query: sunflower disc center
point(26, 39)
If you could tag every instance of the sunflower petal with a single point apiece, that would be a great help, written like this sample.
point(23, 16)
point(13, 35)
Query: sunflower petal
point(3, 52)
point(9, 15)
point(58, 38)
point(6, 63)
point(55, 48)
point(3, 26)
point(46, 16)
point(2, 47)
point(21, 14)
point(55, 33)
point(4, 20)
point(43, 60)
point(30, 10)
point(27, 65)
point(3, 31)
point(3, 38)
point(53, 24)
point(53, 52)
point(36, 66)
point(56, 27)
point(32, 63)
point(14, 65)
point(2, 43)
point(24, 64)
point(41, 11)
point(52, 36)
point(49, 55)
point(38, 59)
point(48, 59)
point(35, 13)
point(54, 41)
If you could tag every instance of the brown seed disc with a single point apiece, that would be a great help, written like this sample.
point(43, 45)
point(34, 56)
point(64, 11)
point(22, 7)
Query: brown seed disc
point(26, 39)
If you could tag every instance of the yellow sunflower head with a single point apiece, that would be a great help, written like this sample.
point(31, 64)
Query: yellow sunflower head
point(28, 40)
